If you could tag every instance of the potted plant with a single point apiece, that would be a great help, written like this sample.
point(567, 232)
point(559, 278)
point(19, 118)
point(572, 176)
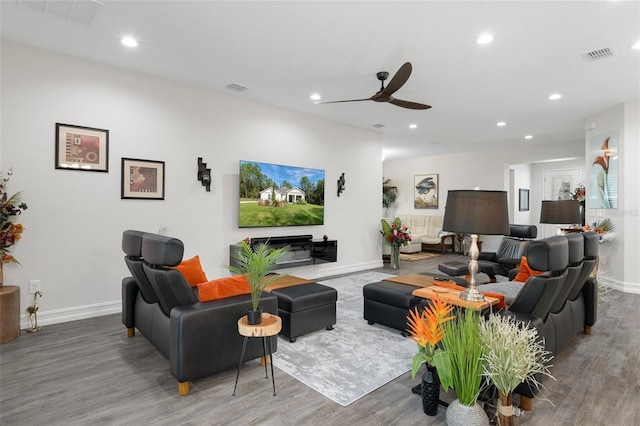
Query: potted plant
point(256, 264)
point(389, 193)
point(10, 232)
point(462, 343)
point(513, 353)
point(396, 234)
point(426, 328)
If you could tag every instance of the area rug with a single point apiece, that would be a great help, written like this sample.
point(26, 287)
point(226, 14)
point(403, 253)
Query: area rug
point(412, 257)
point(354, 358)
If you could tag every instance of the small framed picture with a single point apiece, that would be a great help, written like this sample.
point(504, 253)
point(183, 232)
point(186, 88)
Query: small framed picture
point(142, 179)
point(524, 200)
point(82, 148)
point(425, 191)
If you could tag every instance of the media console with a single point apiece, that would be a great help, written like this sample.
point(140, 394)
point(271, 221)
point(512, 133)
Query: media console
point(304, 250)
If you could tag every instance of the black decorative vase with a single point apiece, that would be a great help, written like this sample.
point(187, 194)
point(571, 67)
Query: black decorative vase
point(430, 391)
point(254, 317)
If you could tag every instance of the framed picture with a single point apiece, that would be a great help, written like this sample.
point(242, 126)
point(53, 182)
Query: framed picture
point(82, 148)
point(524, 200)
point(142, 179)
point(603, 175)
point(426, 191)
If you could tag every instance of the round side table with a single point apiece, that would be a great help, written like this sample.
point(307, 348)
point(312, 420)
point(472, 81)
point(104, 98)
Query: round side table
point(270, 326)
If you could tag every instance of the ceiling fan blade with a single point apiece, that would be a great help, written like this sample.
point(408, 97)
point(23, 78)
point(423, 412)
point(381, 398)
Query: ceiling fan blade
point(398, 80)
point(350, 100)
point(408, 104)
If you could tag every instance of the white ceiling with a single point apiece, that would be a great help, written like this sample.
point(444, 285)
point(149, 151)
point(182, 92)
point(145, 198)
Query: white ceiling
point(284, 51)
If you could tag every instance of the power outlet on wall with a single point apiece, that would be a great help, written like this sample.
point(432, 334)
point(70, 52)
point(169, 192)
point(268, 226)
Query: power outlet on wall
point(603, 260)
point(34, 285)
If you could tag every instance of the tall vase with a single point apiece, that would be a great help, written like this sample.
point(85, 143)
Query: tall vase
point(505, 409)
point(395, 256)
point(463, 415)
point(430, 391)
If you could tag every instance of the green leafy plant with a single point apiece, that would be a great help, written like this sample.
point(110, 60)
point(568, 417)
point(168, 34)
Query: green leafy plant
point(513, 353)
point(395, 233)
point(462, 343)
point(389, 193)
point(256, 264)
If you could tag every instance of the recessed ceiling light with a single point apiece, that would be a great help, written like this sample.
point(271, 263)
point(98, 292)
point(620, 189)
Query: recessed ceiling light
point(129, 41)
point(501, 123)
point(528, 137)
point(413, 126)
point(315, 97)
point(484, 39)
point(555, 96)
point(636, 45)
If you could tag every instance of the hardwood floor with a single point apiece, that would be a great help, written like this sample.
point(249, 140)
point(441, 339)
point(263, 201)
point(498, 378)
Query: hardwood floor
point(89, 373)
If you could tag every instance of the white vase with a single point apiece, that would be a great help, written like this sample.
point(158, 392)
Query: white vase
point(462, 415)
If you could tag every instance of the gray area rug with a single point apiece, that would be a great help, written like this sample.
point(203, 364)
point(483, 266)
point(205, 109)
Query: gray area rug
point(354, 358)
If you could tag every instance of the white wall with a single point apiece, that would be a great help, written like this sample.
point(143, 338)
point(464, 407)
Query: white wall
point(75, 219)
point(490, 170)
point(619, 258)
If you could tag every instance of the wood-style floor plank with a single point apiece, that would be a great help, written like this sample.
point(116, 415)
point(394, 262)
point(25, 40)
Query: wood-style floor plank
point(90, 373)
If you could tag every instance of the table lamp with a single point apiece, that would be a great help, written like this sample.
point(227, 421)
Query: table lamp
point(476, 212)
point(560, 212)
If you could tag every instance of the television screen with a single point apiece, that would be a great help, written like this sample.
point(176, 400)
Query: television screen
point(276, 195)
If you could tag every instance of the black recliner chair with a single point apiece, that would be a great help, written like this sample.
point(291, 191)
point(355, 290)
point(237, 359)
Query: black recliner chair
point(198, 338)
point(509, 253)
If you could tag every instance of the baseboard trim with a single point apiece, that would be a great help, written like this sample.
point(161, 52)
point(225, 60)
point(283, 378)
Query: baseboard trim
point(57, 316)
point(633, 288)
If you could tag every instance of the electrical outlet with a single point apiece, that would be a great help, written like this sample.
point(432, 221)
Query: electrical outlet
point(603, 260)
point(34, 285)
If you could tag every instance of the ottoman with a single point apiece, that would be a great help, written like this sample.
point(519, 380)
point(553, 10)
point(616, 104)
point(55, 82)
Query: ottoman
point(456, 268)
point(305, 308)
point(388, 303)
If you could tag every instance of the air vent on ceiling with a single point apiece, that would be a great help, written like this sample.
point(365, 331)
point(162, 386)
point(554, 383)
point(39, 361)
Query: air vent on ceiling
point(598, 54)
point(78, 11)
point(236, 87)
point(378, 126)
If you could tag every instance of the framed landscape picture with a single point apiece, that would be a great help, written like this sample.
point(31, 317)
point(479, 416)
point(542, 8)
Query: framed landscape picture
point(142, 179)
point(82, 148)
point(425, 191)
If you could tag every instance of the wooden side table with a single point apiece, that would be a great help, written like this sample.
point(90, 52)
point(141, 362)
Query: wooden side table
point(9, 313)
point(270, 326)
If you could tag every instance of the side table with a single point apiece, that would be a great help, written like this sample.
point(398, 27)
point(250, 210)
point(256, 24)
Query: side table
point(9, 313)
point(270, 326)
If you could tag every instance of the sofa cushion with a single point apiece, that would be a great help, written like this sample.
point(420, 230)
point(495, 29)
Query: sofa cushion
point(525, 271)
point(192, 271)
point(222, 288)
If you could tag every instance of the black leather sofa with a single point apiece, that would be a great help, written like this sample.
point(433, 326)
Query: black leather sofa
point(198, 338)
point(562, 302)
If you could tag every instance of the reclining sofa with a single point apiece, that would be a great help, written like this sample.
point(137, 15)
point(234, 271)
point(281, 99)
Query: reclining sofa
point(198, 338)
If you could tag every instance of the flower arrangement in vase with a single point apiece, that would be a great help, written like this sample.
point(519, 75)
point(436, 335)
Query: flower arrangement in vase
point(426, 328)
point(10, 232)
point(395, 234)
point(256, 265)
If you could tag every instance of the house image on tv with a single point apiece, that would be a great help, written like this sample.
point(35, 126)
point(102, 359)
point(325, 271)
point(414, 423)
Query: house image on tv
point(290, 195)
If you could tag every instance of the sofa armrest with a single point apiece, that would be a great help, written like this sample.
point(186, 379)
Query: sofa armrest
point(204, 336)
point(488, 255)
point(129, 293)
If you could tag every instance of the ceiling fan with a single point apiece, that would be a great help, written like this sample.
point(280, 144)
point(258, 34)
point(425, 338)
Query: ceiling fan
point(384, 94)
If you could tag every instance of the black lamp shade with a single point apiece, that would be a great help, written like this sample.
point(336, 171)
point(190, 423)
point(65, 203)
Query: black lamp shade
point(476, 212)
point(560, 212)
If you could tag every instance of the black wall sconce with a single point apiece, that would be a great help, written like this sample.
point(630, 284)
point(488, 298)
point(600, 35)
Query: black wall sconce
point(341, 182)
point(204, 174)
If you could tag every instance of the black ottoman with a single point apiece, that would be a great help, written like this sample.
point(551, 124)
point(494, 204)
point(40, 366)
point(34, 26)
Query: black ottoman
point(388, 303)
point(305, 308)
point(456, 268)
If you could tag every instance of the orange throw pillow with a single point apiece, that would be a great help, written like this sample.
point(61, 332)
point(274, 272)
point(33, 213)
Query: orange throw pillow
point(192, 271)
point(525, 271)
point(223, 287)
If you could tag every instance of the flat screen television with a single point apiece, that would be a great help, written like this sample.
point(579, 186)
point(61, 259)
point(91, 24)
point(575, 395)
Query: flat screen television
point(277, 195)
